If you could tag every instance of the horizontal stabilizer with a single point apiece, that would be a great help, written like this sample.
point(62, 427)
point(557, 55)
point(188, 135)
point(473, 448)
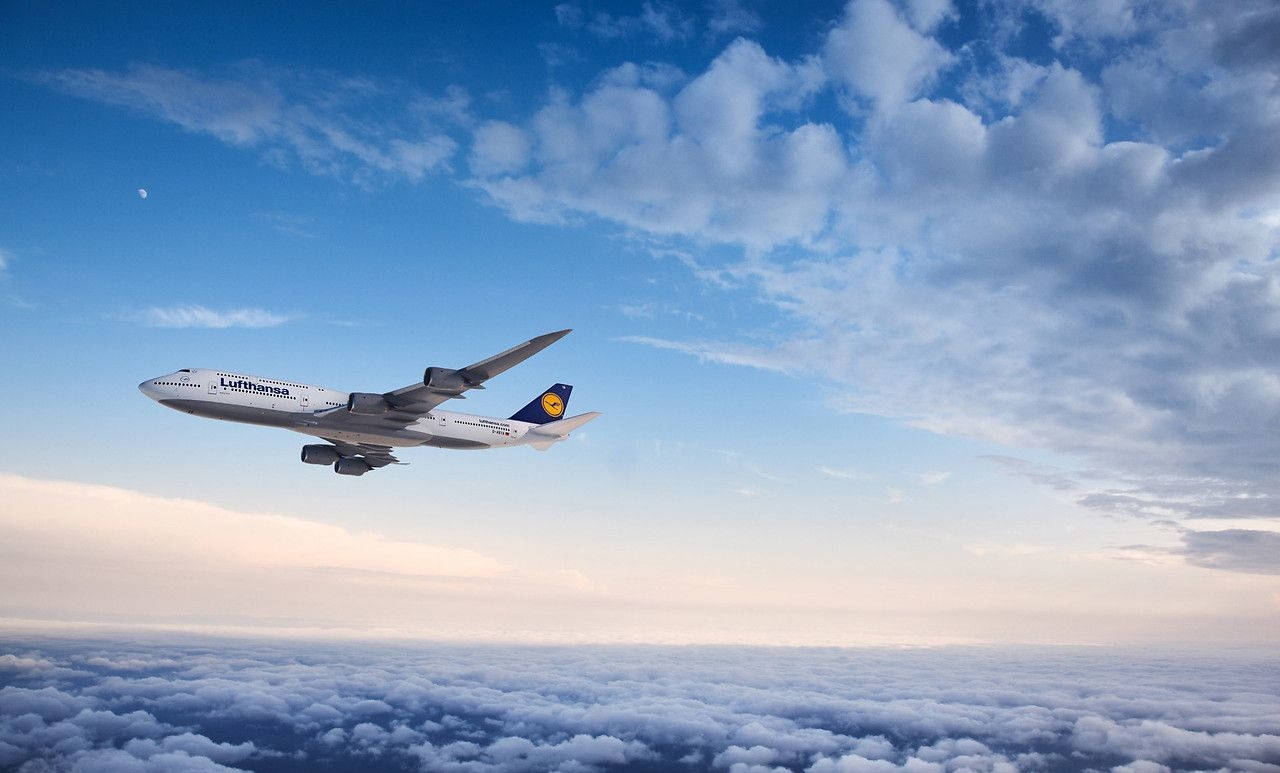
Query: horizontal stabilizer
point(555, 430)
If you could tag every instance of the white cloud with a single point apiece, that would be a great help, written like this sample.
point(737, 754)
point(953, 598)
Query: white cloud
point(699, 160)
point(498, 148)
point(876, 55)
point(664, 22)
point(844, 473)
point(194, 315)
point(933, 478)
point(979, 256)
point(731, 17)
point(310, 118)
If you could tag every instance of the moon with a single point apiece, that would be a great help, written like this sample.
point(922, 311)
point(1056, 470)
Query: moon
point(142, 193)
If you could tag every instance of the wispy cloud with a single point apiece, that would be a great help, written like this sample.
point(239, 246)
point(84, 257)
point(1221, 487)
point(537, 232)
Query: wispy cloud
point(711, 352)
point(932, 478)
point(288, 224)
point(843, 473)
point(309, 118)
point(196, 316)
point(663, 22)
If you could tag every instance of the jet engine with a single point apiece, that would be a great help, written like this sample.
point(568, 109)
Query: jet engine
point(444, 380)
point(367, 404)
point(319, 454)
point(351, 465)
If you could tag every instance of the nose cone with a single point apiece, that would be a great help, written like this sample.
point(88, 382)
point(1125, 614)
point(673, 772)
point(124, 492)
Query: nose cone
point(149, 389)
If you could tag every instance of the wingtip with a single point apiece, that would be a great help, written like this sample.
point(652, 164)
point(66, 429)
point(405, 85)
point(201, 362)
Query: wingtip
point(554, 336)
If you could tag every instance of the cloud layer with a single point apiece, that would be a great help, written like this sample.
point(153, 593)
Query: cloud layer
point(224, 704)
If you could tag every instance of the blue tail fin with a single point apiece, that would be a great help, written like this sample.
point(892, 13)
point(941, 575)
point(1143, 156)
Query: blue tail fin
point(548, 406)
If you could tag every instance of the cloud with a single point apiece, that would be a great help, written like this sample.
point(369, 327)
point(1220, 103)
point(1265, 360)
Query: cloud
point(843, 473)
point(731, 17)
point(697, 159)
point(51, 517)
point(1240, 550)
point(505, 709)
point(308, 118)
point(194, 315)
point(876, 55)
point(663, 22)
point(974, 249)
point(932, 478)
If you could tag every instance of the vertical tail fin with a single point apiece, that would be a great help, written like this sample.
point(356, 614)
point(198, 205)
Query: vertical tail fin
point(546, 407)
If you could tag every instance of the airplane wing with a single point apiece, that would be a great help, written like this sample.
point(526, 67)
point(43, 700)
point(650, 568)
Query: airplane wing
point(441, 384)
point(402, 407)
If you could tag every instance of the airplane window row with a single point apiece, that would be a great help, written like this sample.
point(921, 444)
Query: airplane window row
point(500, 431)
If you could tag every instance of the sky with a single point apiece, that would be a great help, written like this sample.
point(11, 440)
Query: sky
point(910, 322)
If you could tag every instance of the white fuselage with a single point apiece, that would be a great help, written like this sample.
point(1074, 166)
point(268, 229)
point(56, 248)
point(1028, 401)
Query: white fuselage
point(232, 396)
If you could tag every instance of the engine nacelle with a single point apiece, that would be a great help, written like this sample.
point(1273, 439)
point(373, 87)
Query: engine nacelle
point(319, 454)
point(367, 404)
point(351, 465)
point(443, 380)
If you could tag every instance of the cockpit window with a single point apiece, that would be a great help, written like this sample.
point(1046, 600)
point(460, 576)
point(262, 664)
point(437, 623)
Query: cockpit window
point(185, 370)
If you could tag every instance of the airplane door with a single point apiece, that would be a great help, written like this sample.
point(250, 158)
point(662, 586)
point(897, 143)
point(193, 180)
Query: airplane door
point(213, 388)
point(304, 403)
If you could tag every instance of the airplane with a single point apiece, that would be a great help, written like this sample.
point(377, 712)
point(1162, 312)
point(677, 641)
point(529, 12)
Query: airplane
point(361, 428)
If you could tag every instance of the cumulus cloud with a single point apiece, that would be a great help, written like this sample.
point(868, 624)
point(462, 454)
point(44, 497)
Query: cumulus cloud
point(292, 117)
point(197, 316)
point(694, 159)
point(876, 55)
point(503, 709)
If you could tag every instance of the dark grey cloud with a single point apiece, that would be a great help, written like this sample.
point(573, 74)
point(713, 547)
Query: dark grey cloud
point(281, 706)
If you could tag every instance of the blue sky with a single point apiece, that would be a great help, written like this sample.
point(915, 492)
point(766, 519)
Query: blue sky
point(909, 321)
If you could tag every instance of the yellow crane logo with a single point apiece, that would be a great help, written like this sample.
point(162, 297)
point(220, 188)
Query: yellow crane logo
point(552, 404)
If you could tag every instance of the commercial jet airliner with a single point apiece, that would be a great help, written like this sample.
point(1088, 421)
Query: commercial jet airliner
point(361, 428)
